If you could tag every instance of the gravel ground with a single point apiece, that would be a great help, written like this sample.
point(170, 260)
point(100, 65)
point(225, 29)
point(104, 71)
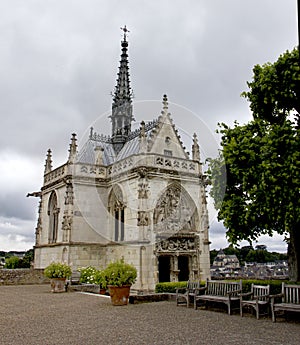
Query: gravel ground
point(31, 314)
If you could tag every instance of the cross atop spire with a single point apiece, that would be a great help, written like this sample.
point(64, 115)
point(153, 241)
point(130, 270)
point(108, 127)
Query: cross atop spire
point(125, 30)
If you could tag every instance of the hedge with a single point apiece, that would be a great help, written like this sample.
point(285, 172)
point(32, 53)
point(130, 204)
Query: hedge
point(275, 285)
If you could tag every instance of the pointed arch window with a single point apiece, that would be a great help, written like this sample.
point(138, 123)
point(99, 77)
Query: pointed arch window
point(53, 212)
point(117, 210)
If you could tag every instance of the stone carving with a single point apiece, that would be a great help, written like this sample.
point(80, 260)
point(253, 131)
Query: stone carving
point(176, 244)
point(174, 213)
point(84, 169)
point(69, 195)
point(143, 218)
point(66, 226)
point(143, 185)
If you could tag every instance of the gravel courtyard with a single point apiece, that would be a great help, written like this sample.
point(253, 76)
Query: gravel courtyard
point(31, 314)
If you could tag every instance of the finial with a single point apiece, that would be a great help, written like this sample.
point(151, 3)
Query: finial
point(72, 149)
point(143, 138)
point(48, 163)
point(125, 30)
point(91, 133)
point(195, 149)
point(165, 103)
point(142, 132)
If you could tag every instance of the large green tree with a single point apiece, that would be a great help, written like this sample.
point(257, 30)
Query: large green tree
point(255, 180)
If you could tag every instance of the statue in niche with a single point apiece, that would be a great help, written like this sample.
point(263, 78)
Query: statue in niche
point(143, 189)
point(143, 219)
point(143, 185)
point(66, 226)
point(69, 195)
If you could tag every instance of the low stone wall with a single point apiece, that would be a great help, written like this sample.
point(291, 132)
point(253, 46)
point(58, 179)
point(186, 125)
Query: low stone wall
point(22, 276)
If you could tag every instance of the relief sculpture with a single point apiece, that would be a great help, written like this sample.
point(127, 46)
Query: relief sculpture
point(176, 244)
point(174, 212)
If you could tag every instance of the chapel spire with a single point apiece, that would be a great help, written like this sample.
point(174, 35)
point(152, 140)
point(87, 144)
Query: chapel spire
point(122, 100)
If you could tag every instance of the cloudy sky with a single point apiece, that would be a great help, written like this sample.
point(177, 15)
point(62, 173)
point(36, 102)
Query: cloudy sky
point(58, 63)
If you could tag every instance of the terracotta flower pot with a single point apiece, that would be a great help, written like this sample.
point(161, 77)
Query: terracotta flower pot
point(119, 294)
point(102, 291)
point(58, 284)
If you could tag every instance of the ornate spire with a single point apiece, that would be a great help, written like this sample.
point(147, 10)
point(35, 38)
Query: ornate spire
point(72, 149)
point(122, 100)
point(195, 149)
point(48, 163)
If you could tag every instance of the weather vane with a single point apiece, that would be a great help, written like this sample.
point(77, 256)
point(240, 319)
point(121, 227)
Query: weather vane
point(125, 30)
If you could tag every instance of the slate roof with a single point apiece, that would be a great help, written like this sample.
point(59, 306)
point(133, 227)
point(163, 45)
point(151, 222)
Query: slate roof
point(87, 153)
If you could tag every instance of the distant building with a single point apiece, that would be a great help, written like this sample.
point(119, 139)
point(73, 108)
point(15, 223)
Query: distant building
point(226, 261)
point(225, 265)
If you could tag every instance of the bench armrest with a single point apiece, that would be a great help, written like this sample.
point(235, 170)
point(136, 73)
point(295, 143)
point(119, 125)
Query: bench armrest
point(275, 296)
point(245, 294)
point(229, 293)
point(200, 289)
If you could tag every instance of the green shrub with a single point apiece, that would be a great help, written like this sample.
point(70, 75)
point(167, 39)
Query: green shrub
point(275, 285)
point(57, 270)
point(12, 262)
point(169, 287)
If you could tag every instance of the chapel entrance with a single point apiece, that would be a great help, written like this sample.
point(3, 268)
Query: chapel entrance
point(183, 267)
point(164, 266)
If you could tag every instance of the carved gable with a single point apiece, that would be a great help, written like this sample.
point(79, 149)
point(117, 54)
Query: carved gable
point(175, 212)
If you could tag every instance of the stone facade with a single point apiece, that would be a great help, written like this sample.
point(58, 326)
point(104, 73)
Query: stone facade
point(134, 194)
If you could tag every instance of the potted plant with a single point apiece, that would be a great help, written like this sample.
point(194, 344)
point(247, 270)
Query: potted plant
point(58, 273)
point(119, 276)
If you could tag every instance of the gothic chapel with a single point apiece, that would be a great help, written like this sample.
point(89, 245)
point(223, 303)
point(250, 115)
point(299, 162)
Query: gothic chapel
point(134, 195)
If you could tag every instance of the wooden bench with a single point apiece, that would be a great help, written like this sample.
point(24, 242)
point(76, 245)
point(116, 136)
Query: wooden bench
point(257, 298)
point(290, 300)
point(184, 295)
point(219, 291)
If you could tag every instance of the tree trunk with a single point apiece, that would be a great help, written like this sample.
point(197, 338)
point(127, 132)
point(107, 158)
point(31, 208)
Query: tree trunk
point(294, 254)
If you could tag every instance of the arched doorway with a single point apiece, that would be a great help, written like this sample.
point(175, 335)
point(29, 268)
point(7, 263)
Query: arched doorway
point(183, 267)
point(164, 266)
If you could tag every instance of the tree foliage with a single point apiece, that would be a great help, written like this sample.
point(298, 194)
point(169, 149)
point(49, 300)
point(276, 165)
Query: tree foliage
point(275, 88)
point(261, 161)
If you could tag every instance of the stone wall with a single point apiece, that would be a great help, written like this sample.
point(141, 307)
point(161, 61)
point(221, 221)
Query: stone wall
point(21, 276)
